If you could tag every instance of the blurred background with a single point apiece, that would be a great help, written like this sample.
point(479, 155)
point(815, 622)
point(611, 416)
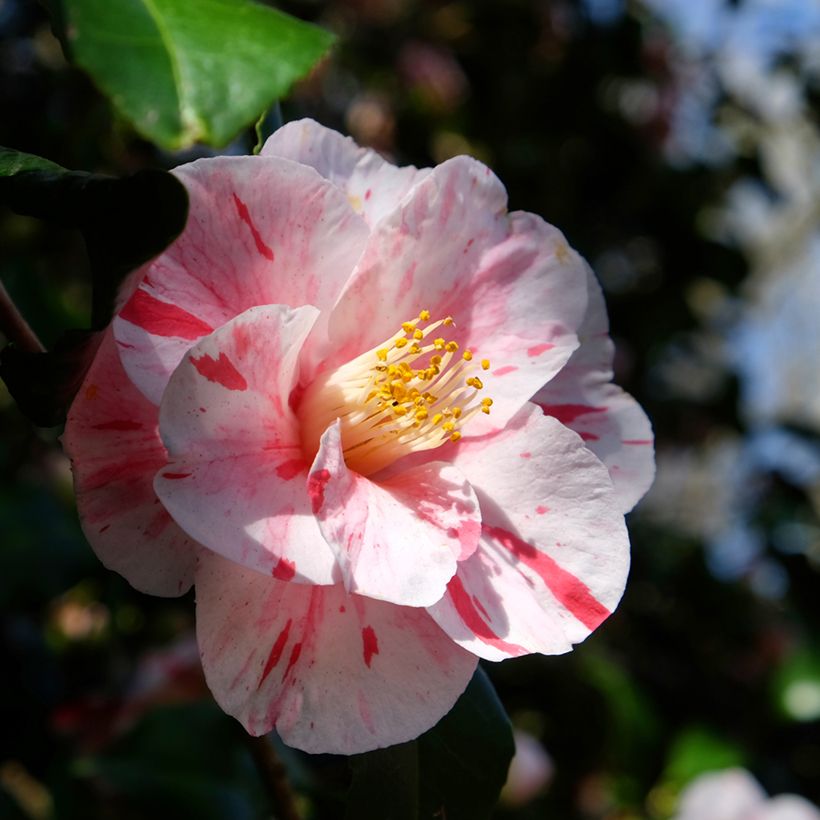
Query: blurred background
point(676, 143)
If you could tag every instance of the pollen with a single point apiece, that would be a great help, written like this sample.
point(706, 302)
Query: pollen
point(413, 392)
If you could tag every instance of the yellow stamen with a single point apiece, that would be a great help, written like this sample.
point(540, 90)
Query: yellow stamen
point(414, 393)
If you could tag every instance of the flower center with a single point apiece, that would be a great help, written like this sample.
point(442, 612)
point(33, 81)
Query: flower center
point(412, 393)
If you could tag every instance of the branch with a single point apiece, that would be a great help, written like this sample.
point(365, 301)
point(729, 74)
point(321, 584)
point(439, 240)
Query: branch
point(14, 327)
point(274, 776)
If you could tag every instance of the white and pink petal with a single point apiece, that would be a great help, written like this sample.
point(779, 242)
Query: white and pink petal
point(515, 290)
point(583, 397)
point(112, 438)
point(374, 187)
point(398, 540)
point(236, 477)
point(330, 671)
point(260, 231)
point(553, 557)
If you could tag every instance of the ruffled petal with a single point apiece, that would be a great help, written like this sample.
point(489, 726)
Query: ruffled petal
point(399, 540)
point(516, 291)
point(260, 231)
point(236, 476)
point(553, 557)
point(112, 439)
point(609, 420)
point(330, 671)
point(374, 187)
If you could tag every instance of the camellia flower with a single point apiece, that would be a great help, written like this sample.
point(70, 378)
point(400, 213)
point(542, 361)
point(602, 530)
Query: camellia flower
point(733, 794)
point(325, 406)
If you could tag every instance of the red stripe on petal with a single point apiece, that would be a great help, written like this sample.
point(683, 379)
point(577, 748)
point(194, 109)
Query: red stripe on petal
point(316, 484)
point(162, 318)
point(567, 413)
point(502, 371)
point(568, 590)
point(284, 570)
point(474, 622)
point(370, 645)
point(480, 608)
point(245, 216)
point(174, 476)
point(276, 651)
point(537, 350)
point(220, 371)
point(290, 469)
point(294, 656)
point(120, 425)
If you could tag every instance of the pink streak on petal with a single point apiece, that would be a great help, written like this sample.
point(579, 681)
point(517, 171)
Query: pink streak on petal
point(120, 425)
point(537, 350)
point(364, 713)
point(569, 590)
point(541, 509)
point(221, 371)
point(370, 645)
point(473, 620)
point(276, 651)
point(502, 371)
point(316, 489)
point(588, 436)
point(174, 476)
point(162, 318)
point(480, 607)
point(244, 215)
point(567, 413)
point(290, 469)
point(284, 570)
point(526, 454)
point(294, 656)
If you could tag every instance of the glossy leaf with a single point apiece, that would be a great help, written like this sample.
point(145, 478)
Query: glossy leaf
point(186, 71)
point(456, 770)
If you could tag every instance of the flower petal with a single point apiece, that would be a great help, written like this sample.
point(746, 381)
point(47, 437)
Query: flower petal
point(515, 289)
point(332, 672)
point(554, 552)
point(730, 793)
point(374, 187)
point(610, 421)
point(112, 439)
point(399, 540)
point(260, 231)
point(236, 475)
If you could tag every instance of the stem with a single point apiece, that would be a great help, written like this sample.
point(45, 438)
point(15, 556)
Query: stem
point(274, 776)
point(14, 327)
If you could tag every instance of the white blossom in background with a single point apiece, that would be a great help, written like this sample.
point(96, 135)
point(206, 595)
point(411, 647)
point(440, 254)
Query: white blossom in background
point(734, 794)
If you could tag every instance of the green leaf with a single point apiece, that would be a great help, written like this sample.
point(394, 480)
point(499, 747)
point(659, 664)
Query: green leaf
point(186, 71)
point(15, 162)
point(696, 750)
point(125, 223)
point(454, 771)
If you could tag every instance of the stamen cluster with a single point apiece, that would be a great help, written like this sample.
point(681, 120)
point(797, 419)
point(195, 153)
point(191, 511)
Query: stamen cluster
point(411, 394)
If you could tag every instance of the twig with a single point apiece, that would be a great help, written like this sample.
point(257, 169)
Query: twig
point(275, 778)
point(14, 327)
